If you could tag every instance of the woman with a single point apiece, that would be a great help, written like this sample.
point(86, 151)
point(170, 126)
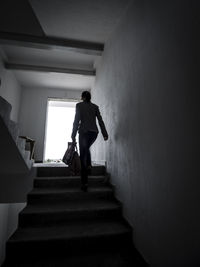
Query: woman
point(85, 124)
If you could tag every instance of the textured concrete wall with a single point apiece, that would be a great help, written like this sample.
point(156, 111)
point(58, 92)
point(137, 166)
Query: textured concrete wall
point(10, 89)
point(33, 110)
point(146, 86)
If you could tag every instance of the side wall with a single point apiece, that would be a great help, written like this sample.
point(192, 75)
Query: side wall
point(146, 86)
point(33, 113)
point(10, 89)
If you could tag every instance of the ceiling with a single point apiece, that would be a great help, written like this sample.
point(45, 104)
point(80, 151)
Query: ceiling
point(52, 58)
point(49, 57)
point(64, 30)
point(54, 80)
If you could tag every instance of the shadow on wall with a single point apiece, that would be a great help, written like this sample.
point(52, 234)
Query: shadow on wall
point(148, 79)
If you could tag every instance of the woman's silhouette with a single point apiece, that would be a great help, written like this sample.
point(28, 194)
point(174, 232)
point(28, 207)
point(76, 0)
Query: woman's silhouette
point(85, 124)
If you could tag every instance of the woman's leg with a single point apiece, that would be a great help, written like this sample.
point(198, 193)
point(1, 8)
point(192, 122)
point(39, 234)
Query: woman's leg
point(83, 157)
point(92, 136)
point(85, 142)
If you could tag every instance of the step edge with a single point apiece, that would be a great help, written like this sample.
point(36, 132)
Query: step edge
point(69, 192)
point(71, 210)
point(86, 235)
point(69, 177)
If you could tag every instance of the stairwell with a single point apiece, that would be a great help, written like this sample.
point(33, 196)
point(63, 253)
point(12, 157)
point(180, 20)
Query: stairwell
point(12, 152)
point(64, 226)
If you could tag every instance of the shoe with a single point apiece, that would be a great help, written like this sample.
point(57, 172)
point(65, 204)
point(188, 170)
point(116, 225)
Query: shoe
point(84, 187)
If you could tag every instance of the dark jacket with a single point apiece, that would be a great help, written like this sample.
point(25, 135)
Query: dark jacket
point(85, 119)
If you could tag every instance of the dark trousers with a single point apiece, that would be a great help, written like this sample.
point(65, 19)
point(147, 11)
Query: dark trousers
point(85, 142)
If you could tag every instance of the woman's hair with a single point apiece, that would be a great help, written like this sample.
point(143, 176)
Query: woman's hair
point(86, 95)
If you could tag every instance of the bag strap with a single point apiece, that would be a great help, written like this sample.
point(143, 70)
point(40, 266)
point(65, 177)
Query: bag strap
point(75, 146)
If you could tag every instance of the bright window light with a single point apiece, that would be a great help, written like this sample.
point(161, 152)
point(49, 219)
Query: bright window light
point(60, 117)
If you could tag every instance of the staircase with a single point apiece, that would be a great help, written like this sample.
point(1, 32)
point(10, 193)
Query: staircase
point(64, 226)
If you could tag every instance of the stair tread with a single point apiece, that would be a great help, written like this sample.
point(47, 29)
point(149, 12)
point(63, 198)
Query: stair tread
point(60, 219)
point(71, 206)
point(69, 177)
point(60, 165)
point(39, 191)
point(70, 231)
point(63, 170)
point(94, 259)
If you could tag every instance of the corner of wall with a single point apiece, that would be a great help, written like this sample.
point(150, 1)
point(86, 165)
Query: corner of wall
point(10, 88)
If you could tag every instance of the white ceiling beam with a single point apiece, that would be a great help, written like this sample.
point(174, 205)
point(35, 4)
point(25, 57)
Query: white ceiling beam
point(44, 42)
point(13, 66)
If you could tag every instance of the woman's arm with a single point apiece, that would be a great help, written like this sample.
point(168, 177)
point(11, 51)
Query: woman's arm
point(101, 124)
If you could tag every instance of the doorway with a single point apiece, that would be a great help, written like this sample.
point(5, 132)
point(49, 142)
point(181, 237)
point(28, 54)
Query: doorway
point(59, 123)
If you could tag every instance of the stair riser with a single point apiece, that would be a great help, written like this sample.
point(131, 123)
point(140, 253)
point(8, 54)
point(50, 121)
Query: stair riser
point(64, 171)
point(47, 219)
point(60, 198)
point(64, 247)
point(66, 183)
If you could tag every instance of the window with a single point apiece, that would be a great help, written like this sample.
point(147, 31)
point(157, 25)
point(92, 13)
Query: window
point(59, 123)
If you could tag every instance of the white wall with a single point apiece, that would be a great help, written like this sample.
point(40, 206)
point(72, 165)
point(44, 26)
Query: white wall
point(8, 224)
point(33, 113)
point(146, 86)
point(10, 89)
point(13, 195)
point(3, 229)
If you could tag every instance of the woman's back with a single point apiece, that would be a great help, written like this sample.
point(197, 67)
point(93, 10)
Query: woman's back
point(88, 114)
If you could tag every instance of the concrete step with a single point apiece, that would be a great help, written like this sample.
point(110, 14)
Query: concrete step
point(63, 170)
point(126, 258)
point(58, 195)
point(46, 214)
point(21, 145)
point(30, 163)
point(27, 155)
point(64, 226)
point(70, 181)
point(103, 235)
